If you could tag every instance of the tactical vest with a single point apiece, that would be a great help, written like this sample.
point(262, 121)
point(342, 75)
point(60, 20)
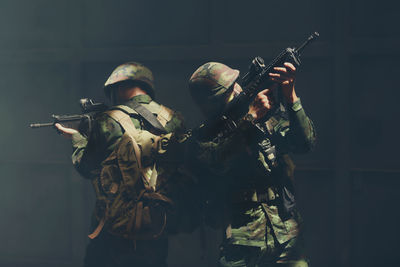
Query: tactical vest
point(128, 202)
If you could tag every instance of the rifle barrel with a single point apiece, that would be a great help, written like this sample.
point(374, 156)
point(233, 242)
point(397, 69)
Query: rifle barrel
point(312, 37)
point(40, 125)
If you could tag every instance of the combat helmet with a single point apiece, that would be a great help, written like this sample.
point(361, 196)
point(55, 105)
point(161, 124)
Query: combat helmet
point(131, 71)
point(209, 85)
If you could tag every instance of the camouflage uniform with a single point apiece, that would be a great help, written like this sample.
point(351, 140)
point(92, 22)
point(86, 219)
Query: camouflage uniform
point(88, 155)
point(261, 222)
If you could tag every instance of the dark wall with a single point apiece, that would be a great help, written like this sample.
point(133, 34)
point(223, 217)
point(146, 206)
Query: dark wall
point(52, 52)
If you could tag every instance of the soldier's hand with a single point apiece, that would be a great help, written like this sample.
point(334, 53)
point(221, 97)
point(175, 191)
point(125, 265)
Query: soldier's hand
point(262, 104)
point(66, 132)
point(285, 76)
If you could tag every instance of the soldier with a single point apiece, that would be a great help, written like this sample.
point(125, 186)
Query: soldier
point(260, 218)
point(131, 90)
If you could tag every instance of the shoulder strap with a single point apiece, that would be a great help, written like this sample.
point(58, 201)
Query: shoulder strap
point(126, 123)
point(146, 114)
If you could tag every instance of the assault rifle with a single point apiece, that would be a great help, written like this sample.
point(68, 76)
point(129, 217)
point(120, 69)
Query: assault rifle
point(254, 81)
point(81, 122)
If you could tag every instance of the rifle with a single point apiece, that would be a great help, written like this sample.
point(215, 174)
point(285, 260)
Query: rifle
point(81, 122)
point(253, 82)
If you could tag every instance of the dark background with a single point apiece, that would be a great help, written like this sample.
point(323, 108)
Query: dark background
point(54, 52)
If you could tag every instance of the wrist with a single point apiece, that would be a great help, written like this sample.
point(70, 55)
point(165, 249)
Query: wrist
point(78, 139)
point(292, 98)
point(295, 106)
point(251, 114)
point(249, 118)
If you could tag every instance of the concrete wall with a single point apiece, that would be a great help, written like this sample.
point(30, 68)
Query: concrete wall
point(52, 52)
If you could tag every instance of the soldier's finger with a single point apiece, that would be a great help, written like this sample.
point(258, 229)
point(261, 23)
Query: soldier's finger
point(274, 80)
point(286, 76)
point(290, 66)
point(271, 74)
point(60, 127)
point(65, 130)
point(265, 100)
point(278, 80)
point(280, 69)
point(265, 91)
point(57, 126)
point(286, 72)
point(283, 76)
point(268, 105)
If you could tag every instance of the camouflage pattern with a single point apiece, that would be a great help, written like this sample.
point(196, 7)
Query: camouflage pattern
point(259, 232)
point(289, 254)
point(209, 83)
point(88, 156)
point(89, 153)
point(131, 71)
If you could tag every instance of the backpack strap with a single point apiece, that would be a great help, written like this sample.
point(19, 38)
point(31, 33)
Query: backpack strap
point(126, 123)
point(144, 113)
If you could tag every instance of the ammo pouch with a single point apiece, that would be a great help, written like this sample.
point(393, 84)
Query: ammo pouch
point(128, 203)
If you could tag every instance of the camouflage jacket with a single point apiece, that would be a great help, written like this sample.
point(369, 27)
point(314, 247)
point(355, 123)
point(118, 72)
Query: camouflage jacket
point(252, 191)
point(89, 153)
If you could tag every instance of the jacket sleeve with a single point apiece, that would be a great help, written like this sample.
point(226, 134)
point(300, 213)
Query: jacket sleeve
point(88, 153)
point(298, 135)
